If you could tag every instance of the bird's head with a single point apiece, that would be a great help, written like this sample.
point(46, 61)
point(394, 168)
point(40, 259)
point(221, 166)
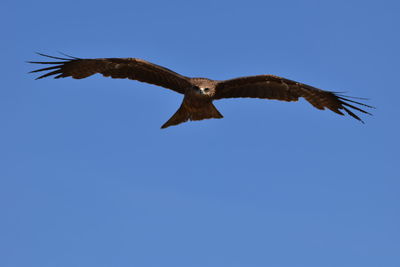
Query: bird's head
point(202, 90)
point(204, 87)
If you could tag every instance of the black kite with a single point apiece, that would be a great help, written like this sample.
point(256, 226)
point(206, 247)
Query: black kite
point(199, 93)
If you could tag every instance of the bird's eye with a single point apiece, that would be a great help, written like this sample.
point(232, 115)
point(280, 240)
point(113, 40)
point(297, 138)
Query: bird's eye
point(206, 89)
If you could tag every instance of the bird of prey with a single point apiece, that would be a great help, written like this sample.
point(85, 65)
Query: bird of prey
point(199, 93)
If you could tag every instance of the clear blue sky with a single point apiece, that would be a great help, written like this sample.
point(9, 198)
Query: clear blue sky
point(87, 178)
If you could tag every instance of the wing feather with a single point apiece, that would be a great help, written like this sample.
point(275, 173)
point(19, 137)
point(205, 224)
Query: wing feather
point(278, 88)
point(122, 68)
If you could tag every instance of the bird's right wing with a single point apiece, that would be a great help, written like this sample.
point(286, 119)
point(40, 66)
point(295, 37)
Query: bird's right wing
point(129, 68)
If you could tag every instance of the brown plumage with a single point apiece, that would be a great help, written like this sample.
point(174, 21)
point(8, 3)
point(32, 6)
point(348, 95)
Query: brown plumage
point(199, 93)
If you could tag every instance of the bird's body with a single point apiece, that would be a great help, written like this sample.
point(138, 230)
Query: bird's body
point(197, 103)
point(199, 93)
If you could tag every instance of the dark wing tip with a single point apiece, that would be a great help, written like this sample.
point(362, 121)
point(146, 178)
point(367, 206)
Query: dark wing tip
point(44, 55)
point(353, 115)
point(346, 98)
point(345, 105)
point(69, 56)
point(49, 74)
point(57, 68)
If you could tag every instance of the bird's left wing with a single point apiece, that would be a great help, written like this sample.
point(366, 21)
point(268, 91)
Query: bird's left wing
point(278, 88)
point(130, 68)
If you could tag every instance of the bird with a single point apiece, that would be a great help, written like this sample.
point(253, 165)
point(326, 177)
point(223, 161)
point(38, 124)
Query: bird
point(199, 93)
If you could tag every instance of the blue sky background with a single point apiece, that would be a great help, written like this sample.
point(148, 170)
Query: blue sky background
point(87, 178)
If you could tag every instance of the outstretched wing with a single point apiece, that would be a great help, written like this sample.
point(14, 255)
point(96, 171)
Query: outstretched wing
point(274, 87)
point(130, 68)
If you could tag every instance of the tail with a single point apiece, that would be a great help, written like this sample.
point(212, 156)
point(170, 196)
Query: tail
point(209, 111)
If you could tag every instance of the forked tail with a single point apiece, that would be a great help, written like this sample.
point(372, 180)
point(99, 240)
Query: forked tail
point(209, 111)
